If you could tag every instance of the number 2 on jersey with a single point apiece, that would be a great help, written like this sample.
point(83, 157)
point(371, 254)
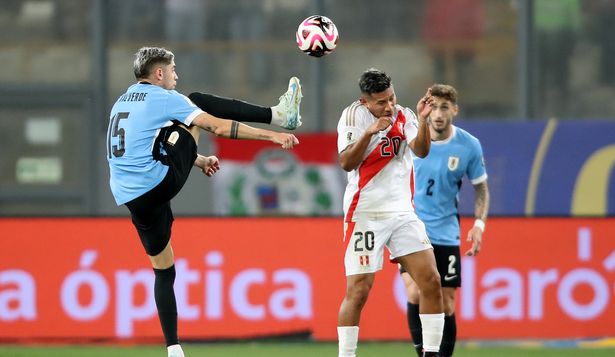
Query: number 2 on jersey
point(452, 259)
point(115, 131)
point(430, 183)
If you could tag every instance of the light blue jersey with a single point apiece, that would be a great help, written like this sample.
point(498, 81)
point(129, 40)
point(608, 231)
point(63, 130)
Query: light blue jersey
point(136, 119)
point(438, 180)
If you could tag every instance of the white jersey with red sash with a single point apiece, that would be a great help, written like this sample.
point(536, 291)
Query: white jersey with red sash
point(384, 182)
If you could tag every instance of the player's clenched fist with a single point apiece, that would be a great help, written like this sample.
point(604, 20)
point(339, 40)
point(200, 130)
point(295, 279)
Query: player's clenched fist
point(287, 141)
point(379, 125)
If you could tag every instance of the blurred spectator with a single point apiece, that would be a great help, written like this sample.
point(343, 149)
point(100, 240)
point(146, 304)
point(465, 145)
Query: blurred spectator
point(601, 29)
point(185, 20)
point(9, 11)
point(136, 19)
point(244, 22)
point(71, 19)
point(451, 29)
point(556, 24)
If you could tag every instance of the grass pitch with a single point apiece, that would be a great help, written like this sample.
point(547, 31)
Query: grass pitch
point(295, 349)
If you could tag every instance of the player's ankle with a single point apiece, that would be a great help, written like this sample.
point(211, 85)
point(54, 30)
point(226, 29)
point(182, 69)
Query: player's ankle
point(175, 351)
point(278, 116)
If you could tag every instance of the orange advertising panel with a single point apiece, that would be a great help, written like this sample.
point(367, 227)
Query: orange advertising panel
point(236, 278)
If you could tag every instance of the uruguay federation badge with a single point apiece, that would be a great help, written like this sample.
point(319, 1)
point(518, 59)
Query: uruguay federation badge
point(453, 162)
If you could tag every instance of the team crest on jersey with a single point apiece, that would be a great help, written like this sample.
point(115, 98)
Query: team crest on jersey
point(453, 163)
point(349, 136)
point(173, 138)
point(364, 260)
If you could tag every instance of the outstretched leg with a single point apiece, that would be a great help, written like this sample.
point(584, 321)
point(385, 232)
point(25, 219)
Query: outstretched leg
point(230, 108)
point(285, 113)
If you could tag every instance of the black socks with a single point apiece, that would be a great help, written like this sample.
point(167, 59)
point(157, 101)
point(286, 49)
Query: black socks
point(416, 330)
point(228, 108)
point(165, 302)
point(449, 337)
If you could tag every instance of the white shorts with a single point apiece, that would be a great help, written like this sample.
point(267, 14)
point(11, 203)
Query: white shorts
point(366, 238)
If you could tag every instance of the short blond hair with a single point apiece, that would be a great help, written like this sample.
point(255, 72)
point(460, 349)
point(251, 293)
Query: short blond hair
point(148, 57)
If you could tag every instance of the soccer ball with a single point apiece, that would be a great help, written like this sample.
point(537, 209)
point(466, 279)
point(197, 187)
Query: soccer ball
point(317, 36)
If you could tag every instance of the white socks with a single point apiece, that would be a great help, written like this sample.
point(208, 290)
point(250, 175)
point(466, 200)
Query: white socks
point(277, 116)
point(433, 326)
point(348, 337)
point(175, 351)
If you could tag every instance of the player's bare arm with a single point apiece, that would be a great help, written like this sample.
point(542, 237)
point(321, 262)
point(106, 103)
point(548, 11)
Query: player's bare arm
point(481, 200)
point(353, 155)
point(481, 209)
point(235, 130)
point(421, 144)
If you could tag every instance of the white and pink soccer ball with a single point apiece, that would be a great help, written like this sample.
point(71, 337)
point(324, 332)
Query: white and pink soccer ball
point(317, 36)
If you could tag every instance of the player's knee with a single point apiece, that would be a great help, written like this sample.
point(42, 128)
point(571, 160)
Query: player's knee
point(431, 285)
point(164, 259)
point(434, 279)
point(358, 293)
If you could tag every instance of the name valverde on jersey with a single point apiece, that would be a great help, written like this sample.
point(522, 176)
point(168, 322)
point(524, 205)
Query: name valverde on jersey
point(384, 182)
point(133, 128)
point(438, 180)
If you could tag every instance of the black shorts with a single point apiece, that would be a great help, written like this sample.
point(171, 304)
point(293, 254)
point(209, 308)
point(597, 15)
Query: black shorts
point(448, 260)
point(151, 212)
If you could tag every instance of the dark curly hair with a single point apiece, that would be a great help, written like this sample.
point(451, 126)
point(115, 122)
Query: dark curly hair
point(374, 81)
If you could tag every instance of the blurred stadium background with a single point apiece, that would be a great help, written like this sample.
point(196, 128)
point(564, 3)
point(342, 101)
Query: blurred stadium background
point(260, 244)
